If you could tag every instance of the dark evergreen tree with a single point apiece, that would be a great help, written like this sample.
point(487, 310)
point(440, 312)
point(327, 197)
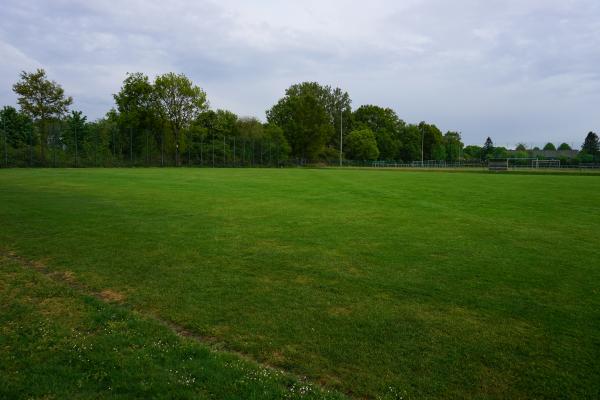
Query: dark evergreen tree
point(591, 145)
point(487, 149)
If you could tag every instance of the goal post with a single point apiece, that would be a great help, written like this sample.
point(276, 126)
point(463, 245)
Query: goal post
point(545, 164)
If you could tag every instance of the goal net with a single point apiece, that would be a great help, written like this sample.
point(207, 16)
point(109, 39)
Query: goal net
point(545, 163)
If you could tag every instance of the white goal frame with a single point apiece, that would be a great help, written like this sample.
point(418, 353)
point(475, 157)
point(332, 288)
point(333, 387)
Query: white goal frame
point(545, 164)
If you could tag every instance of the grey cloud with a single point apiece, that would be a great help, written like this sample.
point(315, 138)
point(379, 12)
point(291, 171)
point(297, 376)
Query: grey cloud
point(515, 70)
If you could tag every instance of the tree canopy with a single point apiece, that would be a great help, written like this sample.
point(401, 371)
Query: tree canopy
point(42, 100)
point(179, 102)
point(591, 145)
point(161, 119)
point(564, 146)
point(488, 149)
point(385, 125)
point(362, 145)
point(302, 114)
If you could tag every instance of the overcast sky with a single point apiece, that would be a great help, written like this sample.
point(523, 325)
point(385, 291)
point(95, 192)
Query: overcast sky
point(516, 70)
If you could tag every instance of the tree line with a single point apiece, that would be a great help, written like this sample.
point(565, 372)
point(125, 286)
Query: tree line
point(168, 121)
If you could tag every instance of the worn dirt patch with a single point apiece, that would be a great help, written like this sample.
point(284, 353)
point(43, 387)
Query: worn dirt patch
point(68, 276)
point(276, 358)
point(65, 276)
point(112, 296)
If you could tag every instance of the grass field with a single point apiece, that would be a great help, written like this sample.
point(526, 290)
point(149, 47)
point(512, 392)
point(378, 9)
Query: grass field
point(373, 283)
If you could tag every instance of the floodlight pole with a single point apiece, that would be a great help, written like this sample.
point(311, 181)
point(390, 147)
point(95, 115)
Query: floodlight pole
point(131, 146)
point(5, 140)
point(341, 134)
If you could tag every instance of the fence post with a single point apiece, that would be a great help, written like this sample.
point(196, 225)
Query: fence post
point(54, 141)
point(130, 147)
point(162, 148)
point(112, 131)
point(96, 147)
point(76, 154)
point(5, 140)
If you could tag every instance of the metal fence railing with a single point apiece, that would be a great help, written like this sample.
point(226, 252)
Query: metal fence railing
point(108, 150)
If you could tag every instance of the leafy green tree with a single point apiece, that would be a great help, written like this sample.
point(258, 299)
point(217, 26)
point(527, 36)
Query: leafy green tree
point(550, 146)
point(386, 126)
point(305, 121)
point(338, 106)
point(521, 154)
point(139, 118)
point(362, 145)
point(225, 123)
point(585, 158)
point(180, 102)
point(591, 145)
point(432, 142)
point(75, 136)
point(206, 119)
point(438, 152)
point(195, 138)
point(487, 150)
point(100, 133)
point(521, 147)
point(472, 152)
point(410, 143)
point(18, 128)
point(249, 127)
point(453, 146)
point(42, 100)
point(116, 142)
point(500, 152)
point(564, 146)
point(280, 147)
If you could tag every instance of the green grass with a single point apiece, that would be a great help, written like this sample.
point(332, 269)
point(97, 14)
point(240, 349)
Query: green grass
point(376, 283)
point(58, 344)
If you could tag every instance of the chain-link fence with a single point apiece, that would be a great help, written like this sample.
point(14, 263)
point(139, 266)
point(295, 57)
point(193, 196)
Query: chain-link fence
point(69, 148)
point(110, 147)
